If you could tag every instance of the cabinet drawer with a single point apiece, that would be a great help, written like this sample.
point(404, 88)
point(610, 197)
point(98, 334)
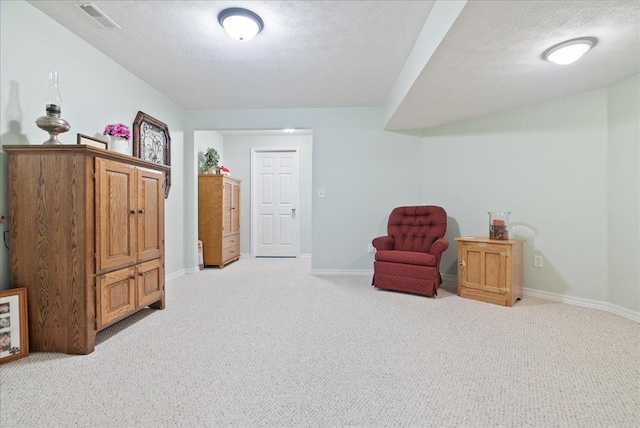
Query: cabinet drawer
point(230, 253)
point(230, 241)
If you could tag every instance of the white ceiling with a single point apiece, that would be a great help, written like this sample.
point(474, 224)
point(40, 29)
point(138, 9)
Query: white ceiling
point(351, 53)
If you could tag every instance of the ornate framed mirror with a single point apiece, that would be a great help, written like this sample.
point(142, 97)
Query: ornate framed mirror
point(152, 142)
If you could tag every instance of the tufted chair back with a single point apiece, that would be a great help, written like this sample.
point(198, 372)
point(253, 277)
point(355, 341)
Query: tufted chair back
point(416, 228)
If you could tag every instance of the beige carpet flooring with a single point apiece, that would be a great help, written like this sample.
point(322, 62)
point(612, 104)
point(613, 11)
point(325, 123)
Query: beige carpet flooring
point(261, 343)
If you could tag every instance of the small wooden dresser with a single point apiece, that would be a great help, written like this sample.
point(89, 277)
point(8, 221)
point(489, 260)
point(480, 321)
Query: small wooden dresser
point(490, 270)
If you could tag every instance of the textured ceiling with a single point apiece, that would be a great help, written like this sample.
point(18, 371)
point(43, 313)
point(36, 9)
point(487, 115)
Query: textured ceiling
point(309, 54)
point(490, 59)
point(351, 53)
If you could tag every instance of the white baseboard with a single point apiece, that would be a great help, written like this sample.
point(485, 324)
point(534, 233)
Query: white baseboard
point(195, 269)
point(300, 256)
point(175, 275)
point(570, 300)
point(624, 312)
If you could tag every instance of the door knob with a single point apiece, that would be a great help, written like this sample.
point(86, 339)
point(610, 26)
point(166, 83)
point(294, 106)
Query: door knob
point(141, 211)
point(132, 211)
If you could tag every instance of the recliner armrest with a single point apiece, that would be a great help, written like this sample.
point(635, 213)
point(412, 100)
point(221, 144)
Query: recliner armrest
point(383, 243)
point(439, 247)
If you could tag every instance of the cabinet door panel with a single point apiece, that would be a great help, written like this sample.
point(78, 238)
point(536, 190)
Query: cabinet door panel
point(226, 208)
point(115, 295)
point(485, 268)
point(150, 205)
point(150, 282)
point(235, 208)
point(473, 267)
point(115, 214)
point(495, 275)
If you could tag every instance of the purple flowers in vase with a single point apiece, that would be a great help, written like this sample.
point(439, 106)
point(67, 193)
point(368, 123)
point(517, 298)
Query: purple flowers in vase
point(118, 130)
point(120, 136)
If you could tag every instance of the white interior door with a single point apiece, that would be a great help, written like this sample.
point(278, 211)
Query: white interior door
point(274, 190)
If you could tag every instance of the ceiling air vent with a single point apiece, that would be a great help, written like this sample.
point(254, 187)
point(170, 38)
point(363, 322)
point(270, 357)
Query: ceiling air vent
point(91, 10)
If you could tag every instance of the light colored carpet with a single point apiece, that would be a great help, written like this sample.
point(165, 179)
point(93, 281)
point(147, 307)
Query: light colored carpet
point(263, 343)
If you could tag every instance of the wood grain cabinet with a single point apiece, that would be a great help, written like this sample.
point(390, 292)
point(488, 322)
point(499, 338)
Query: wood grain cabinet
point(87, 240)
point(129, 212)
point(490, 270)
point(219, 218)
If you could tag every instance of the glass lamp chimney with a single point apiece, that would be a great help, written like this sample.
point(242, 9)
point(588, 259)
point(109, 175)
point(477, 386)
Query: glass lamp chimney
point(53, 99)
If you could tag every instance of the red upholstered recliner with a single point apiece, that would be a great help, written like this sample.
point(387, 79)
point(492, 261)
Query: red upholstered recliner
point(408, 259)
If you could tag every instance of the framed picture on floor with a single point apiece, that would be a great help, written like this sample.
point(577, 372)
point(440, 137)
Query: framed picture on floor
point(14, 330)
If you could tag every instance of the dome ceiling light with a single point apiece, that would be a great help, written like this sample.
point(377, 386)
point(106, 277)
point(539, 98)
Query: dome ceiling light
point(240, 24)
point(570, 51)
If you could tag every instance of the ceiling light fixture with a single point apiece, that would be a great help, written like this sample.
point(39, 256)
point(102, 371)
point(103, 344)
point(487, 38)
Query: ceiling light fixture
point(240, 24)
point(569, 51)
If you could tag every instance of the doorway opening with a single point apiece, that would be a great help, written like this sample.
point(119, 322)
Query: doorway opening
point(237, 149)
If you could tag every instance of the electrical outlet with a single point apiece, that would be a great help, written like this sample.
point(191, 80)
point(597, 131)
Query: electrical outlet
point(538, 261)
point(371, 249)
point(322, 193)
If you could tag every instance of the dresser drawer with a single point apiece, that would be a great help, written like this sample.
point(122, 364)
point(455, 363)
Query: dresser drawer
point(230, 241)
point(230, 253)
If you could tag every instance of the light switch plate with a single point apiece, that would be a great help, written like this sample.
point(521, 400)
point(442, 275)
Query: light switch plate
point(538, 261)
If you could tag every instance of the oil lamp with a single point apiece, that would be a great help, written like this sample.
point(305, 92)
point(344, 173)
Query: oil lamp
point(52, 122)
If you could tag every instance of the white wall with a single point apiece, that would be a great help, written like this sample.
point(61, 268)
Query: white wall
point(366, 172)
point(548, 164)
point(95, 91)
point(204, 140)
point(624, 193)
point(238, 159)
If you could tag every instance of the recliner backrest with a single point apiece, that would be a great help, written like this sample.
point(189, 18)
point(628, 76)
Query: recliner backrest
point(416, 228)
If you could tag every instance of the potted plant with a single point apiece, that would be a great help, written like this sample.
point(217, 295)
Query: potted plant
point(211, 158)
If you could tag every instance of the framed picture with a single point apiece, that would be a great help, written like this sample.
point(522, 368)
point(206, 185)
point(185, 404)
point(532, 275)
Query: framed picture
point(90, 141)
point(152, 142)
point(14, 330)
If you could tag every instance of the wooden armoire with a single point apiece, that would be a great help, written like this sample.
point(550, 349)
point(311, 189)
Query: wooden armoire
point(219, 218)
point(86, 239)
